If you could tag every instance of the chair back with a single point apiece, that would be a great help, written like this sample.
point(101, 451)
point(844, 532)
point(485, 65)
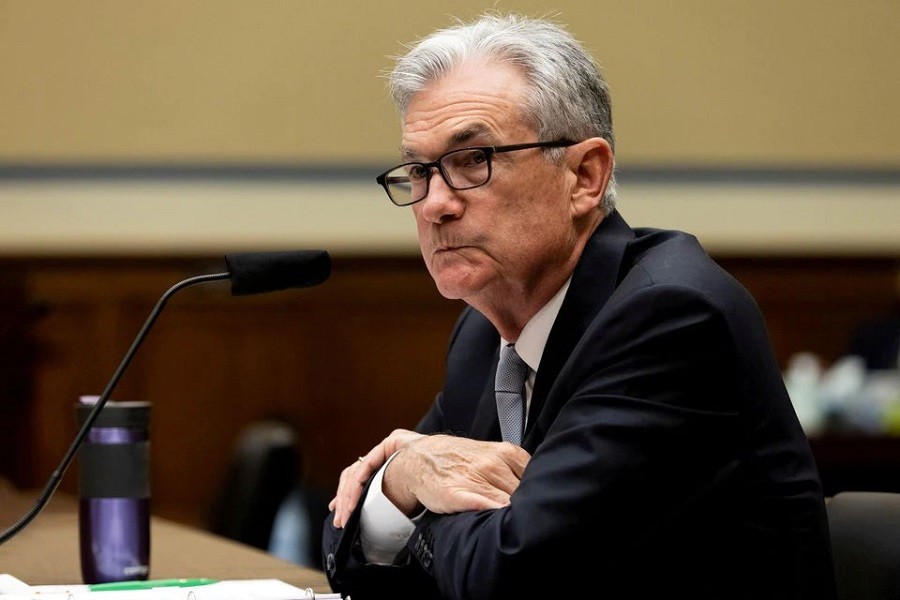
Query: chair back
point(264, 467)
point(865, 544)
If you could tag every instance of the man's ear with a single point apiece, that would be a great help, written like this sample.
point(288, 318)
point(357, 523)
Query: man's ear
point(592, 163)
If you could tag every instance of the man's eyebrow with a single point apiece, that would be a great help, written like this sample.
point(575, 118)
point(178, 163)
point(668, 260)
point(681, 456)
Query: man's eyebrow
point(460, 138)
point(464, 136)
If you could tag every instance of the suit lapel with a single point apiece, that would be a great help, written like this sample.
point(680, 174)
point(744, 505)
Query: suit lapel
point(593, 282)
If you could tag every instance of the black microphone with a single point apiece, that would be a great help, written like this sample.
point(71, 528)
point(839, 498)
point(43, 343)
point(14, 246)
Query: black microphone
point(250, 273)
point(261, 272)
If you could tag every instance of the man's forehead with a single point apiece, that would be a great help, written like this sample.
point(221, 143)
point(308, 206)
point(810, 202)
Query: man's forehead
point(477, 99)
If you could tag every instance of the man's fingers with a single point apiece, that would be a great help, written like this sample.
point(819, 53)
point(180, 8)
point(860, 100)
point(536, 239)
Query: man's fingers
point(350, 485)
point(353, 479)
point(516, 457)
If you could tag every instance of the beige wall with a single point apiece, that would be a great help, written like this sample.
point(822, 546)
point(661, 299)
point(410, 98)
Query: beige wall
point(764, 84)
point(161, 218)
point(768, 82)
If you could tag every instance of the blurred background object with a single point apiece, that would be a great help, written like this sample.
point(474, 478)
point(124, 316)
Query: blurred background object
point(859, 392)
point(849, 406)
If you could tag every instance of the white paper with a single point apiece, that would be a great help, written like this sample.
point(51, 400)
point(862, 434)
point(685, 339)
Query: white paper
point(12, 588)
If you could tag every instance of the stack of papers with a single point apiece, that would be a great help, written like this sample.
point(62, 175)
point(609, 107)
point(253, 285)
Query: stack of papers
point(238, 589)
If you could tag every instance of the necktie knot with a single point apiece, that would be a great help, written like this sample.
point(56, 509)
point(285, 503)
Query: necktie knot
point(509, 387)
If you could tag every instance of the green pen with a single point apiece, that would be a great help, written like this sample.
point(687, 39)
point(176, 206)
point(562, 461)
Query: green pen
point(149, 584)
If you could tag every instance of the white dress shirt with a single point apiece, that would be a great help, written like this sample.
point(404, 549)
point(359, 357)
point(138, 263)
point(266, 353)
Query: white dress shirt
point(384, 530)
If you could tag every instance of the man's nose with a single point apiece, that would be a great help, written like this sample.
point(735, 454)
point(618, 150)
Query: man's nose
point(442, 202)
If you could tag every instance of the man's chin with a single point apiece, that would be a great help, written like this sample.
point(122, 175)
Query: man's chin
point(454, 284)
point(456, 275)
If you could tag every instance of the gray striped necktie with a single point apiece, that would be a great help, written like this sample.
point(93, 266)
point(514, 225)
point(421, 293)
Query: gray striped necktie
point(509, 387)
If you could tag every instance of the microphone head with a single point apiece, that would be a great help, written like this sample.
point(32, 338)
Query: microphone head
point(261, 272)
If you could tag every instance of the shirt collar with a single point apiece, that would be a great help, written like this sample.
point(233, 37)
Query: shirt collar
point(533, 339)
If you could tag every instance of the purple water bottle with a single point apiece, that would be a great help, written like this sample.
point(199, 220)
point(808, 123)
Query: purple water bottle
point(114, 492)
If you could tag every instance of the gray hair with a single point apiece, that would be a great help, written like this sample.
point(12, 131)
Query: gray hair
point(567, 95)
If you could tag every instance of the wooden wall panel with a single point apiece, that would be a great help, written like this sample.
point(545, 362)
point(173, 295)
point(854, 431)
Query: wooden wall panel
point(345, 362)
point(813, 304)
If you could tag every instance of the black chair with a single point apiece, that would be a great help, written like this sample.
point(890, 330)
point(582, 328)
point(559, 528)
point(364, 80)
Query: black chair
point(264, 467)
point(865, 541)
point(297, 530)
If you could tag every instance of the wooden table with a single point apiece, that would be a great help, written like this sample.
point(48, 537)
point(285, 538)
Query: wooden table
point(46, 552)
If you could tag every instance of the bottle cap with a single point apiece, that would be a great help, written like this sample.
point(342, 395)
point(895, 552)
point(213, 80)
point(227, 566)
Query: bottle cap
point(117, 414)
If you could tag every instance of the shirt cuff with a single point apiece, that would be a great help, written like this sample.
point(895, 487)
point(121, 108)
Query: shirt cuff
point(384, 529)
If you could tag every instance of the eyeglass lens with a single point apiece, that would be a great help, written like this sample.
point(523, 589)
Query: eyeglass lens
point(461, 169)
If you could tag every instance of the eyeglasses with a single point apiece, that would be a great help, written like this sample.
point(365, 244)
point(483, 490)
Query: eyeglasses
point(462, 169)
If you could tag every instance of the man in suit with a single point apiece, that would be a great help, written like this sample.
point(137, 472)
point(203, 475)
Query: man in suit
point(653, 451)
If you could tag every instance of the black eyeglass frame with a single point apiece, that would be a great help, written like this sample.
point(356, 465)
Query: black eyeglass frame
point(489, 152)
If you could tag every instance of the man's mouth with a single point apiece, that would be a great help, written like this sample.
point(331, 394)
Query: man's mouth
point(446, 248)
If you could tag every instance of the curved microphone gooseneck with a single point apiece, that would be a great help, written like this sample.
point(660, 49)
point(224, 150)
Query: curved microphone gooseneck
point(250, 273)
point(57, 475)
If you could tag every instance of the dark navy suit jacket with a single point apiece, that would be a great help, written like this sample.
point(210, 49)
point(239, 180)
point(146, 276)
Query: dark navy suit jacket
point(666, 456)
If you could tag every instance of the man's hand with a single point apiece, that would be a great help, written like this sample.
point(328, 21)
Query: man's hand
point(448, 474)
point(354, 477)
point(442, 473)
